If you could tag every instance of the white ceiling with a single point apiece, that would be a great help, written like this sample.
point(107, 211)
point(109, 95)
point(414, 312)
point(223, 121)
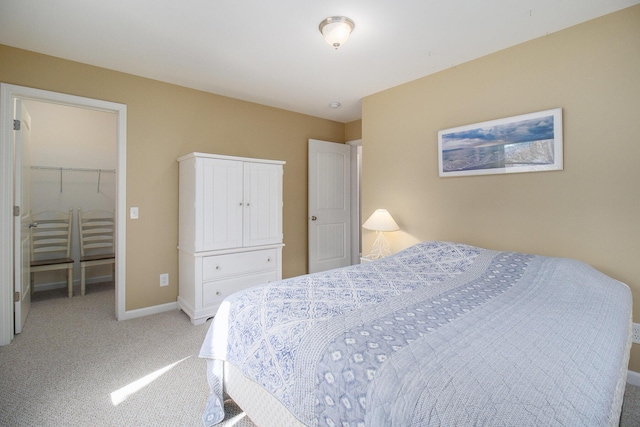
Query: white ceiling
point(271, 52)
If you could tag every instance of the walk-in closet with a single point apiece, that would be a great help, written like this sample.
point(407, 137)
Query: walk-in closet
point(72, 163)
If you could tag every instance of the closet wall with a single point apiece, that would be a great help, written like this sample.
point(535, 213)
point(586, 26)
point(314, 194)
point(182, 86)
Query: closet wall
point(71, 138)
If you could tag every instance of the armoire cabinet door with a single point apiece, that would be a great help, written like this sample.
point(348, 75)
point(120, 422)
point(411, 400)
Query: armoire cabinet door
point(222, 205)
point(263, 204)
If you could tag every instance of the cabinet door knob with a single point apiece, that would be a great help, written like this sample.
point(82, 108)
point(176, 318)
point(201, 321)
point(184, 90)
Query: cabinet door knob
point(217, 292)
point(248, 204)
point(268, 259)
point(217, 267)
point(314, 218)
point(241, 203)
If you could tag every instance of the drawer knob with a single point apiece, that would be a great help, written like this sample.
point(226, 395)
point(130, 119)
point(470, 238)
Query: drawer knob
point(217, 267)
point(217, 292)
point(268, 259)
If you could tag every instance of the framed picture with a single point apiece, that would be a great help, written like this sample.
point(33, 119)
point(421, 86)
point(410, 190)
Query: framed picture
point(527, 143)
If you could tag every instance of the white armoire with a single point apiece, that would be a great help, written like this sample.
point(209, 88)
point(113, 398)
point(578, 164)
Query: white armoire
point(230, 234)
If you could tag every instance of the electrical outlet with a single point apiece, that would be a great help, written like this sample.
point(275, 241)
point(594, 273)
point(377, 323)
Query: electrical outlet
point(164, 279)
point(635, 333)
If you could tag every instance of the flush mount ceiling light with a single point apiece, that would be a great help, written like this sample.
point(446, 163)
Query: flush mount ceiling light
point(336, 30)
point(334, 104)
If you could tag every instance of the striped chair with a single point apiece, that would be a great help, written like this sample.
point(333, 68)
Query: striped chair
point(51, 244)
point(97, 241)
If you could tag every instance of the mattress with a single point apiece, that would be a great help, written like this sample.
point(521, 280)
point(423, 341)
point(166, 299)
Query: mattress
point(439, 334)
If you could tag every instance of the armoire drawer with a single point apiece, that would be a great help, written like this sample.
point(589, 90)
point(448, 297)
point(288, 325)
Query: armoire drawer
point(218, 266)
point(214, 292)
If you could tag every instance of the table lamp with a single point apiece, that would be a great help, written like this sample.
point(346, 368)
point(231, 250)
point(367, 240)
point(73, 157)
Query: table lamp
point(380, 221)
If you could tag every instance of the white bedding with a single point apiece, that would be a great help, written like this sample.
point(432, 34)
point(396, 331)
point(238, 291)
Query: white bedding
point(439, 334)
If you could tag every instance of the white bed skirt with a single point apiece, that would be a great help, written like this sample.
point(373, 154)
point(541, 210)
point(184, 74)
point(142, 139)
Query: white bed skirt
point(260, 406)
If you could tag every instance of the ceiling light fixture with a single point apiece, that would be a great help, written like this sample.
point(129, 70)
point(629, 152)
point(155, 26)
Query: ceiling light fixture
point(336, 30)
point(334, 104)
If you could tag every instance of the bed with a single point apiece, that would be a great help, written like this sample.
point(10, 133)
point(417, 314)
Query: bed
point(439, 334)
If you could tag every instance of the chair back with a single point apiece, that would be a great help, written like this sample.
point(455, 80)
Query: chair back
point(97, 231)
point(51, 237)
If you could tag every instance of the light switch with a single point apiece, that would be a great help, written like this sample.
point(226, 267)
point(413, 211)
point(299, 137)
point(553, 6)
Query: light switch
point(134, 213)
point(164, 279)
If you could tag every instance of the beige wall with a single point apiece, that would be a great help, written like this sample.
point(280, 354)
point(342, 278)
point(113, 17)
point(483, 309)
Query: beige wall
point(589, 211)
point(353, 130)
point(165, 121)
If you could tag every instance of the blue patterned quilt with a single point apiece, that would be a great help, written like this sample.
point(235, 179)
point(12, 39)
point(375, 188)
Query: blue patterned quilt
point(439, 334)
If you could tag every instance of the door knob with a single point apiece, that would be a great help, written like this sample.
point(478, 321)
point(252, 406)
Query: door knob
point(313, 218)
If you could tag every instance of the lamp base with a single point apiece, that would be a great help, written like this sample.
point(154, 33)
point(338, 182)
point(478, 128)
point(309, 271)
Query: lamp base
point(381, 248)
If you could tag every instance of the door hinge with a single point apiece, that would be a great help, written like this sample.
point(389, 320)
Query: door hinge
point(16, 125)
point(16, 297)
point(16, 211)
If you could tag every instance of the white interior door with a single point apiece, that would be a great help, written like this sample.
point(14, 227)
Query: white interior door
point(22, 252)
point(329, 205)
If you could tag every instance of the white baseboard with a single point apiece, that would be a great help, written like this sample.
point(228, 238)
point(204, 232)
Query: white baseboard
point(131, 314)
point(76, 282)
point(49, 286)
point(633, 378)
point(141, 312)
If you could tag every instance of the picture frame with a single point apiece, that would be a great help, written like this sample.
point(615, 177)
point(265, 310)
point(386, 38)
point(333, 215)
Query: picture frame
point(525, 143)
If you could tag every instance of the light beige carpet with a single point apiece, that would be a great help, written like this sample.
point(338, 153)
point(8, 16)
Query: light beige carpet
point(75, 365)
point(631, 407)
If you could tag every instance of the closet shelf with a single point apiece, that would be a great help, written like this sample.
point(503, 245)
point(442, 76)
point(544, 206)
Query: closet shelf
point(61, 170)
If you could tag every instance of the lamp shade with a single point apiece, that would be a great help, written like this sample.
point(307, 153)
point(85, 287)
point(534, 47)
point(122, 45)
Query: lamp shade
point(381, 220)
point(336, 30)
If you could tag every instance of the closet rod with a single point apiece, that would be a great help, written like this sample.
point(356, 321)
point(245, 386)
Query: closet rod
point(53, 168)
point(60, 170)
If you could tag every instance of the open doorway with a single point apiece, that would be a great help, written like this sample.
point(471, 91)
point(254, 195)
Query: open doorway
point(10, 96)
point(72, 169)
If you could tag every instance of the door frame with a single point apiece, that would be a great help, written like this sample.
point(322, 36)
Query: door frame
point(8, 93)
point(356, 183)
